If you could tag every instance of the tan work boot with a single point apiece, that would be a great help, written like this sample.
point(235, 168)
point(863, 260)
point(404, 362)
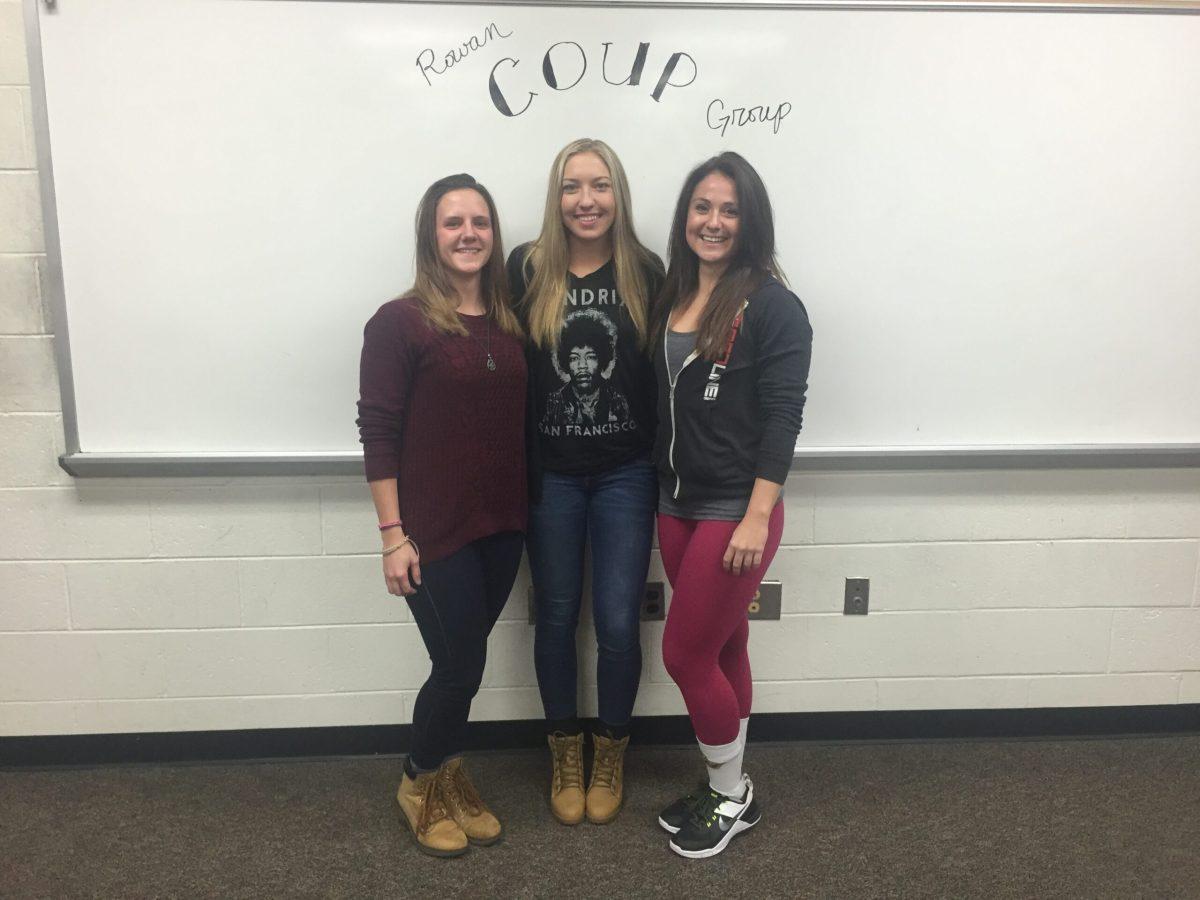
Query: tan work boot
point(566, 782)
point(465, 805)
point(604, 794)
point(423, 810)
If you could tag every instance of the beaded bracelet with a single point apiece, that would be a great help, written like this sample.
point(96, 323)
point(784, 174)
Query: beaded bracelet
point(408, 540)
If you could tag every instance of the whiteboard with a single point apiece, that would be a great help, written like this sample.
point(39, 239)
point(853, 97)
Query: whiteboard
point(993, 217)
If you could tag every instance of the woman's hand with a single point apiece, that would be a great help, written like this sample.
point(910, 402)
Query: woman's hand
point(402, 571)
point(745, 550)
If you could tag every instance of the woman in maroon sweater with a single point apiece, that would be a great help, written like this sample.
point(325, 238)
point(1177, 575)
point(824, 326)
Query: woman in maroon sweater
point(440, 416)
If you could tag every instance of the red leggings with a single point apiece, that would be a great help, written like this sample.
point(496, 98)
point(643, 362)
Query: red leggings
point(704, 644)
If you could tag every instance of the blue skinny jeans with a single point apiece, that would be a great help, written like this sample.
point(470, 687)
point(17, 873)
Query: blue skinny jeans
point(615, 511)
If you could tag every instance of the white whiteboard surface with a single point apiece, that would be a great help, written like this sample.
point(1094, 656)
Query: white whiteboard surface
point(993, 217)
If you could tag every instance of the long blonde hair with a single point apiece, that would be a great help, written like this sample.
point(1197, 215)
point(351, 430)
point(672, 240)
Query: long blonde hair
point(549, 257)
point(432, 288)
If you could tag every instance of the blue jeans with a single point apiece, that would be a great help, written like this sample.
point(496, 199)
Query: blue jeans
point(616, 510)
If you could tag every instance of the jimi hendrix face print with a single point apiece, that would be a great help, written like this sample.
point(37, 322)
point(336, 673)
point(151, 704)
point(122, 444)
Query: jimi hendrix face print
point(587, 404)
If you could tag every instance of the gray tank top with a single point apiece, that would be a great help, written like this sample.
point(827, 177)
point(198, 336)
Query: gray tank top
point(679, 345)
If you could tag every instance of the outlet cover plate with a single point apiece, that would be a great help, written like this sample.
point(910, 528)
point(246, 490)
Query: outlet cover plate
point(654, 602)
point(767, 602)
point(858, 597)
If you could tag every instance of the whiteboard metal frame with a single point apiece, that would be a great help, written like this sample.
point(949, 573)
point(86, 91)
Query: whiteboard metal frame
point(101, 465)
point(817, 459)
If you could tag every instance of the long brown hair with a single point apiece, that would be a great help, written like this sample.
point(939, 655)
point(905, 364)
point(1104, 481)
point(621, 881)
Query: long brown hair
point(549, 257)
point(432, 287)
point(752, 264)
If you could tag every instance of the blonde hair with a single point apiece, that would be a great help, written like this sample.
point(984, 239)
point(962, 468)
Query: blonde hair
point(548, 259)
point(432, 288)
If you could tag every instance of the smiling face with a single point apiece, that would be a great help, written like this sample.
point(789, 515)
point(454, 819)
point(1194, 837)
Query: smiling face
point(712, 221)
point(464, 232)
point(588, 204)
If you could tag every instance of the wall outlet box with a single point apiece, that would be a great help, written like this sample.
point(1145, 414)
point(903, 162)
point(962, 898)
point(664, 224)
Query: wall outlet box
point(858, 596)
point(767, 602)
point(654, 602)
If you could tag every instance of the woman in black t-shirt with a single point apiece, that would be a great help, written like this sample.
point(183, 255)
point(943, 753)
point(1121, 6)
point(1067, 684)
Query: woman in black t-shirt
point(584, 290)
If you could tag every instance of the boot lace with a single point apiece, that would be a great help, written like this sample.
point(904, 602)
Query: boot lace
point(459, 791)
point(608, 763)
point(568, 763)
point(433, 807)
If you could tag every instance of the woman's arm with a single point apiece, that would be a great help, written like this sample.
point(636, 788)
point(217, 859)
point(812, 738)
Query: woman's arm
point(385, 374)
point(783, 351)
point(401, 568)
point(783, 345)
point(745, 550)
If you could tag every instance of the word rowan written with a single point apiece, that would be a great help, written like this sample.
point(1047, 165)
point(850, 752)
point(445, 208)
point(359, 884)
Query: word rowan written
point(427, 60)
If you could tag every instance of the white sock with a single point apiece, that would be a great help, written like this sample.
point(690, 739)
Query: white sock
point(743, 725)
point(724, 764)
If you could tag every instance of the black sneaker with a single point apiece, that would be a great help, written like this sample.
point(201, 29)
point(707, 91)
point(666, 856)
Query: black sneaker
point(714, 822)
point(673, 817)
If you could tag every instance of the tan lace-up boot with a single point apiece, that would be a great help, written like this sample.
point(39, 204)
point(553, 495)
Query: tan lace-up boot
point(566, 782)
point(604, 794)
point(423, 810)
point(465, 805)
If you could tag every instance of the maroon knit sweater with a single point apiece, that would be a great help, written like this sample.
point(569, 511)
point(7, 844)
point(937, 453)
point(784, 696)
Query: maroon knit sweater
point(432, 415)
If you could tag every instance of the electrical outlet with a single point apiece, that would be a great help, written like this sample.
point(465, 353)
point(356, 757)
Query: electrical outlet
point(858, 597)
point(654, 602)
point(767, 601)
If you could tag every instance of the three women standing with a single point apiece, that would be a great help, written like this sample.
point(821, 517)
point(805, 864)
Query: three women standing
point(442, 417)
point(584, 289)
point(732, 364)
point(441, 413)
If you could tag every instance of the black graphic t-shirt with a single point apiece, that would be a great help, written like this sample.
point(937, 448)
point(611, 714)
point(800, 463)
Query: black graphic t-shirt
point(593, 398)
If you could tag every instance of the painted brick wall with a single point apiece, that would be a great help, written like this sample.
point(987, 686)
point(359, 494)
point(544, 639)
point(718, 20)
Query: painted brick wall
point(151, 604)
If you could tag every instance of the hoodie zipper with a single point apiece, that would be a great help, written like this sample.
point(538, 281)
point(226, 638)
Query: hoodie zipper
point(672, 382)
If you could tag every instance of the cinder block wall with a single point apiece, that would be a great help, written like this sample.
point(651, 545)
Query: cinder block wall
point(146, 605)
